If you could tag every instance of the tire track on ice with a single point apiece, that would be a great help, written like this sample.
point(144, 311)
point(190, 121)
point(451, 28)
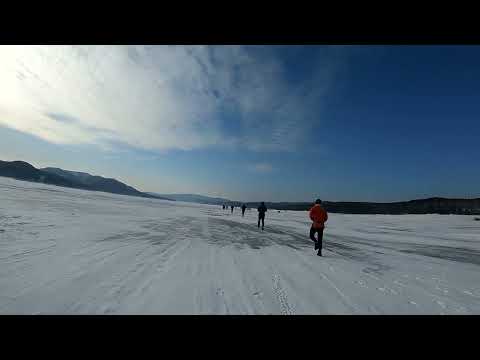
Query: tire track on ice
point(285, 307)
point(125, 284)
point(441, 300)
point(167, 255)
point(345, 299)
point(165, 264)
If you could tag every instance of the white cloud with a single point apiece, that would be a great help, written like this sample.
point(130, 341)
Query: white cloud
point(261, 167)
point(150, 97)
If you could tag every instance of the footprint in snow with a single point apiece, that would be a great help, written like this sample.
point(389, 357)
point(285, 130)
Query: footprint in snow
point(361, 283)
point(219, 291)
point(471, 294)
point(445, 291)
point(460, 310)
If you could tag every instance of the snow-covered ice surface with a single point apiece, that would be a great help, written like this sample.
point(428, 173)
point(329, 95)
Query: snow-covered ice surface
point(67, 251)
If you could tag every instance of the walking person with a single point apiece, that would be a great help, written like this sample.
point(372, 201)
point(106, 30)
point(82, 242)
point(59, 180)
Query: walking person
point(319, 217)
point(232, 208)
point(262, 209)
point(244, 207)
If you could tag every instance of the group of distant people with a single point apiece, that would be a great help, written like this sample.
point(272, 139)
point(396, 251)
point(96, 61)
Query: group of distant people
point(262, 209)
point(317, 214)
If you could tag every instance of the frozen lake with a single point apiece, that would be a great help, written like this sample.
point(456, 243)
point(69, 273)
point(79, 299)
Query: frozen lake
point(67, 251)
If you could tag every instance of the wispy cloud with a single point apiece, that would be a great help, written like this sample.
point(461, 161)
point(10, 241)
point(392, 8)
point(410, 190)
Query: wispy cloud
point(154, 97)
point(260, 168)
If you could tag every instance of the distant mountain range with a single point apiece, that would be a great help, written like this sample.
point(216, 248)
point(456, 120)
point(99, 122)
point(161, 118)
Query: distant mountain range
point(200, 199)
point(422, 206)
point(22, 170)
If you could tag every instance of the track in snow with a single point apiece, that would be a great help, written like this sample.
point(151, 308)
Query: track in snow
point(67, 251)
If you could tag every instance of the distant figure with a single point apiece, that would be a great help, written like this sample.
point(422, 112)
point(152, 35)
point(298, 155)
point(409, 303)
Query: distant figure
point(244, 207)
point(223, 206)
point(232, 208)
point(319, 217)
point(262, 209)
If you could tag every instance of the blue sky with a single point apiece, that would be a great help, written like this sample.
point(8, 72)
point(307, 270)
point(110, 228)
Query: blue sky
point(272, 123)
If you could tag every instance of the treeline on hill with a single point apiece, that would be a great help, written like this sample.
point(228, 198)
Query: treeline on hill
point(422, 206)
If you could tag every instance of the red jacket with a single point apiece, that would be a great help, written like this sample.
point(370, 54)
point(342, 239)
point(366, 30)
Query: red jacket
point(319, 216)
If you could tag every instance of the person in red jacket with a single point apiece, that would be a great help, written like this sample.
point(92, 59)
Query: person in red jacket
point(319, 217)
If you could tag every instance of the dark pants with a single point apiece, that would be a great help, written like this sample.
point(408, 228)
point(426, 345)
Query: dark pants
point(319, 236)
point(243, 212)
point(261, 217)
